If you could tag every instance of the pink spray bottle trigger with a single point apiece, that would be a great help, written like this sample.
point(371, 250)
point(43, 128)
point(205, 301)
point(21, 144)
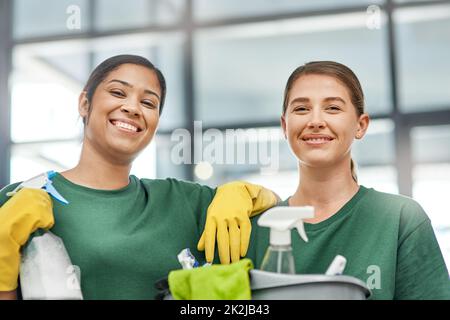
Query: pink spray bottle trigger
point(42, 181)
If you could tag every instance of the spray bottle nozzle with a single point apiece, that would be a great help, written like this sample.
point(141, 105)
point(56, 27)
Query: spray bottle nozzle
point(42, 181)
point(281, 220)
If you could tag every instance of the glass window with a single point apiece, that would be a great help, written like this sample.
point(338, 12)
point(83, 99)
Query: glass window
point(33, 18)
point(423, 36)
point(116, 14)
point(144, 166)
point(219, 9)
point(283, 183)
point(44, 95)
point(74, 66)
point(411, 1)
point(241, 71)
point(169, 59)
point(431, 183)
point(166, 165)
point(431, 178)
point(374, 157)
point(431, 144)
point(381, 178)
point(377, 147)
point(29, 160)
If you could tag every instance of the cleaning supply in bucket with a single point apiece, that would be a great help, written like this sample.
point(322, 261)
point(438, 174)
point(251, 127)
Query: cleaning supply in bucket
point(278, 257)
point(216, 282)
point(46, 271)
point(336, 267)
point(187, 259)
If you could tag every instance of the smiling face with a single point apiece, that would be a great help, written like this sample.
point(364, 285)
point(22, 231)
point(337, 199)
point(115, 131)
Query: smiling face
point(320, 121)
point(124, 112)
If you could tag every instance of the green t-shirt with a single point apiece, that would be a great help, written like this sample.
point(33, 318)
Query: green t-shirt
point(388, 242)
point(125, 240)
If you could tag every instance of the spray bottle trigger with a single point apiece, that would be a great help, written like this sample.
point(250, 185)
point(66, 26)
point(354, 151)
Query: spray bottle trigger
point(301, 230)
point(55, 194)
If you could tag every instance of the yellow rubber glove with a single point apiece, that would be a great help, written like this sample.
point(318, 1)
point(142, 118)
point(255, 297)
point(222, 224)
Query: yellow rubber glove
point(228, 216)
point(20, 216)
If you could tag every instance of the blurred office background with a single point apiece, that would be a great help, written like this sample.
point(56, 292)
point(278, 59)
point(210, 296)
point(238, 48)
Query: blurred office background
point(226, 63)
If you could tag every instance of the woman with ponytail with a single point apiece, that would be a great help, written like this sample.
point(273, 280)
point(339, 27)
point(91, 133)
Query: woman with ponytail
point(387, 239)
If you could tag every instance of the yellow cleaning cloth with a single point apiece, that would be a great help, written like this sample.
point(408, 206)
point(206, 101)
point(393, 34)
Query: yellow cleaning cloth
point(216, 282)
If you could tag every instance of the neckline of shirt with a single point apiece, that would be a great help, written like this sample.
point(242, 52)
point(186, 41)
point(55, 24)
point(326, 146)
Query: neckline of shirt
point(342, 212)
point(61, 179)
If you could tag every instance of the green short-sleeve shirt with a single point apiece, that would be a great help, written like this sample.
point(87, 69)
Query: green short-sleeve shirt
point(125, 240)
point(388, 242)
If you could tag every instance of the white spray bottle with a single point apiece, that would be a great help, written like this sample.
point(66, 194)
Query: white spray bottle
point(46, 271)
point(281, 220)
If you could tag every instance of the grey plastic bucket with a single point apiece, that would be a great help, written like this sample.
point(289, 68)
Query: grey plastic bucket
point(278, 286)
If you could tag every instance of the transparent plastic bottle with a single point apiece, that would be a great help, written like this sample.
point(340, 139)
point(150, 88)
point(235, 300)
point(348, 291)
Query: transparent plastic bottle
point(281, 220)
point(279, 259)
point(46, 271)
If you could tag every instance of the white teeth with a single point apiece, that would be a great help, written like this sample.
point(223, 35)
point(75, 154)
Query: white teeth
point(317, 140)
point(125, 126)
